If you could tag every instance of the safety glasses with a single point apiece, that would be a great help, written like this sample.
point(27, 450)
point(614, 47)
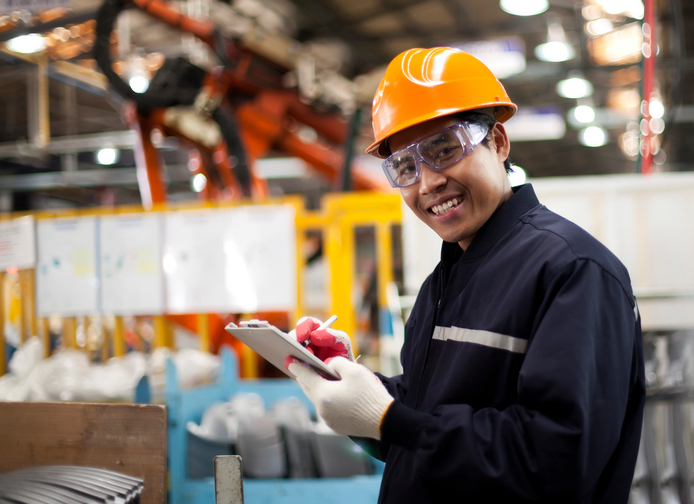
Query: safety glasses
point(438, 151)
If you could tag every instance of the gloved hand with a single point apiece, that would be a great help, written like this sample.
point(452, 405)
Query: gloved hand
point(352, 406)
point(325, 343)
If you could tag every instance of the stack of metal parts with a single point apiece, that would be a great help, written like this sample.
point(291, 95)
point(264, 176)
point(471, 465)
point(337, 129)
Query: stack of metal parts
point(665, 465)
point(62, 484)
point(279, 443)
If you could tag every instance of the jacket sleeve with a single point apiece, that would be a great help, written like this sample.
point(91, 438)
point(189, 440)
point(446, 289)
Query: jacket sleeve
point(573, 388)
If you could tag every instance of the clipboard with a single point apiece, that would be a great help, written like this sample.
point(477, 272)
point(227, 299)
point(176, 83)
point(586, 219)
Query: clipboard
point(275, 345)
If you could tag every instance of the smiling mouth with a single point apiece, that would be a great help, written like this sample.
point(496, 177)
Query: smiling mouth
point(446, 206)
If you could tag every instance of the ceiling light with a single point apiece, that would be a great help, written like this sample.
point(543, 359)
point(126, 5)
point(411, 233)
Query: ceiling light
point(584, 114)
point(554, 51)
point(524, 7)
point(139, 83)
point(656, 108)
point(107, 156)
point(199, 182)
point(574, 87)
point(557, 48)
point(138, 76)
point(592, 136)
point(27, 44)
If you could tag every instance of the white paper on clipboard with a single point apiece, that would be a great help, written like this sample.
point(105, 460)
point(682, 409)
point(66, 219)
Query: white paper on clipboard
point(275, 345)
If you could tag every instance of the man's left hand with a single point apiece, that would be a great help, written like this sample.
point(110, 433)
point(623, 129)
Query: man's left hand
point(323, 343)
point(352, 406)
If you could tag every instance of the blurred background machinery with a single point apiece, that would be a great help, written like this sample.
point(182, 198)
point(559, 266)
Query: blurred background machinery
point(180, 87)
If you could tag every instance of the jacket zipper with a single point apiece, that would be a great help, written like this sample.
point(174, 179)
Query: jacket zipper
point(442, 288)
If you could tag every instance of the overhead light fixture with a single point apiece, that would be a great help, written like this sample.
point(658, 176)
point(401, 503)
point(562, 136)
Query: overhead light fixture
point(139, 83)
point(584, 114)
point(656, 108)
point(557, 48)
point(199, 182)
point(574, 87)
point(524, 7)
point(107, 156)
point(27, 44)
point(137, 71)
point(555, 51)
point(592, 136)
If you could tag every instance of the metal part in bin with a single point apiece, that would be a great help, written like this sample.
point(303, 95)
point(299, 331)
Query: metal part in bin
point(62, 484)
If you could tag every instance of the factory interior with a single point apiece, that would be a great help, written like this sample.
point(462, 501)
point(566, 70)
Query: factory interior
point(168, 168)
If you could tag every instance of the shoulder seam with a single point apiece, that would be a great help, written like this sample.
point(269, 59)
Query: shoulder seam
point(578, 257)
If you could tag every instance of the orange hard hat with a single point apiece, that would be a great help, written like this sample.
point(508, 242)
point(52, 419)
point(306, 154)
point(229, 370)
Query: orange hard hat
point(421, 84)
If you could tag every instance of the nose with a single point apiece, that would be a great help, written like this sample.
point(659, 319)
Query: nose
point(430, 180)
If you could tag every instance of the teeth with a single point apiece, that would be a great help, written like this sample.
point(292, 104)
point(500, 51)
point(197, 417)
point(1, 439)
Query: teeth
point(444, 207)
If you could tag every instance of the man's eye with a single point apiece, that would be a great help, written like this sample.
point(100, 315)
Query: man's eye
point(405, 170)
point(445, 153)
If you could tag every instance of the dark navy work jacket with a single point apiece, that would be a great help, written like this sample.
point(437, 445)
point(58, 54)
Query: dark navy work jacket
point(523, 371)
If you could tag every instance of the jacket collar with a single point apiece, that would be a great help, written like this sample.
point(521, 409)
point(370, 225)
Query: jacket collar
point(521, 202)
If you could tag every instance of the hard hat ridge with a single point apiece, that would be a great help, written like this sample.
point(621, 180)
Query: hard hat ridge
point(422, 84)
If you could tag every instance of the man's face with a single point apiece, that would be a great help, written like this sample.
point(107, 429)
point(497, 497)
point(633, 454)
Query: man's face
point(457, 201)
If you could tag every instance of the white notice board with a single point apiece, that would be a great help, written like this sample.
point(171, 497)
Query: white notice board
point(66, 272)
point(132, 281)
point(260, 253)
point(194, 262)
point(17, 243)
point(238, 260)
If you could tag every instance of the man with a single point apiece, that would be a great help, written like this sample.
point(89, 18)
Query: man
point(523, 369)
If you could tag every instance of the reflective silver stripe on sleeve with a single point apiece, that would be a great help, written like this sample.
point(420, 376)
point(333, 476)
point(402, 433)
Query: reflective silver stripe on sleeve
point(486, 338)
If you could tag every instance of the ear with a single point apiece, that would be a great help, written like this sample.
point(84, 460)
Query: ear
point(500, 142)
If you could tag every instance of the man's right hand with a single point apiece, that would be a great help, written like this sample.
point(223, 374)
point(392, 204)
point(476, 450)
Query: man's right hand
point(324, 343)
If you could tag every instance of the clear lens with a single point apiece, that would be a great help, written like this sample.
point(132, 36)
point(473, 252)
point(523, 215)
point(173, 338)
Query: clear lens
point(442, 150)
point(401, 168)
point(439, 151)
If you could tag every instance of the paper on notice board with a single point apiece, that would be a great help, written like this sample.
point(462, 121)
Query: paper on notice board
point(130, 256)
point(194, 262)
point(67, 280)
point(17, 243)
point(236, 260)
point(260, 251)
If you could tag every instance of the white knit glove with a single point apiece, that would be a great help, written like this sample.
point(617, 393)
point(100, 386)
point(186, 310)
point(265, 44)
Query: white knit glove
point(352, 406)
point(324, 343)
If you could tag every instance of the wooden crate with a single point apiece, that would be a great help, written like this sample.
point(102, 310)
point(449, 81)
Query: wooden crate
point(130, 439)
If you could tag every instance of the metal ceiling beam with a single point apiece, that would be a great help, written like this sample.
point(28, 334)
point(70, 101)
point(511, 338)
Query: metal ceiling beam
point(86, 178)
point(63, 145)
point(324, 19)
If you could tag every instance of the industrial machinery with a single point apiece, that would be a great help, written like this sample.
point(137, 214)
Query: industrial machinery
point(265, 88)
